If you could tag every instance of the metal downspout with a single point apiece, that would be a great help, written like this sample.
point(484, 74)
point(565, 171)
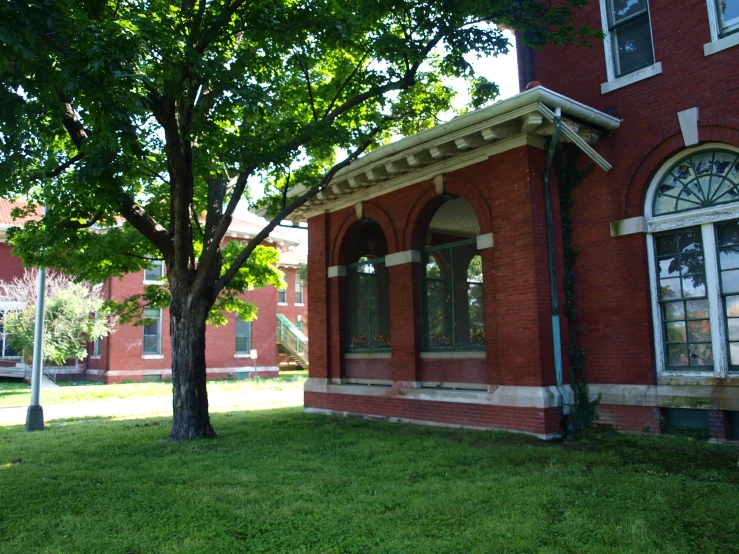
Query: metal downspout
point(556, 331)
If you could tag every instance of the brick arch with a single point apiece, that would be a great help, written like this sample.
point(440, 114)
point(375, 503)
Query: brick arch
point(427, 201)
point(370, 211)
point(644, 168)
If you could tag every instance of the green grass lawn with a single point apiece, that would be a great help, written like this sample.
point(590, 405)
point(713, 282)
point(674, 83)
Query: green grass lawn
point(19, 394)
point(284, 481)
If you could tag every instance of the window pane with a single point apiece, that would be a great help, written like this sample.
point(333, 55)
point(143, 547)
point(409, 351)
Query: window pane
point(734, 353)
point(633, 45)
point(730, 281)
point(151, 344)
point(676, 331)
point(669, 289)
point(677, 355)
point(728, 11)
point(694, 286)
point(697, 309)
point(621, 9)
point(674, 311)
point(666, 244)
point(732, 306)
point(701, 355)
point(699, 331)
point(669, 267)
point(733, 329)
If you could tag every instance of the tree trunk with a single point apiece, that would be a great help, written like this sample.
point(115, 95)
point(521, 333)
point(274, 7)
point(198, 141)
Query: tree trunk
point(190, 397)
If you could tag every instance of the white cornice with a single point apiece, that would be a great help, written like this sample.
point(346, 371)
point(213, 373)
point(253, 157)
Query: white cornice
point(525, 119)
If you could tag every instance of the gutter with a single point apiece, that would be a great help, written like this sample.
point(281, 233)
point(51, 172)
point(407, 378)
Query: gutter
point(556, 328)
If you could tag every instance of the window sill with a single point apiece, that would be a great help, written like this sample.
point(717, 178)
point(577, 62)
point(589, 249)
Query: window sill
point(242, 355)
point(631, 78)
point(160, 282)
point(368, 355)
point(94, 357)
point(152, 357)
point(299, 304)
point(720, 44)
point(282, 303)
point(468, 355)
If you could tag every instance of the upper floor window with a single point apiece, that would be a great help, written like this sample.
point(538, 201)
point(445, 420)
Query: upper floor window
point(298, 289)
point(96, 347)
point(282, 296)
point(153, 331)
point(694, 262)
point(451, 285)
point(367, 290)
point(155, 272)
point(628, 39)
point(727, 16)
point(243, 336)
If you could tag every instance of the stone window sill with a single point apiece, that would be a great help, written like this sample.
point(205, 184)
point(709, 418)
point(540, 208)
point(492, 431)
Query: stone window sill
point(242, 355)
point(720, 44)
point(152, 357)
point(631, 78)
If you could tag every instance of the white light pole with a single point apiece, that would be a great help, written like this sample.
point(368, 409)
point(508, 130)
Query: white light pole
point(35, 414)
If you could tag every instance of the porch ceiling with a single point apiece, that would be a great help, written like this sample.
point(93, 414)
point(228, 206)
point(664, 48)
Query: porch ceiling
point(524, 119)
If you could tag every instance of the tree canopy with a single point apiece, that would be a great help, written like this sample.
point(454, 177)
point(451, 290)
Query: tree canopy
point(150, 118)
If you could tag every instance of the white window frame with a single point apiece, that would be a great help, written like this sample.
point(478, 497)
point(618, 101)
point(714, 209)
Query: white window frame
point(615, 83)
point(159, 342)
point(282, 293)
point(705, 218)
point(299, 291)
point(154, 264)
point(719, 40)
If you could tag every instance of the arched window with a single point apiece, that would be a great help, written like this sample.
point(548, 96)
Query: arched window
point(367, 290)
point(451, 288)
point(692, 214)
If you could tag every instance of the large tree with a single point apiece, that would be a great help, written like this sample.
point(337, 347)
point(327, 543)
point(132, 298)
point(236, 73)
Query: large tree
point(150, 119)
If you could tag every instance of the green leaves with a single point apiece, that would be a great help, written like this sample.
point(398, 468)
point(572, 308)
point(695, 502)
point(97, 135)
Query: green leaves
point(131, 121)
point(74, 315)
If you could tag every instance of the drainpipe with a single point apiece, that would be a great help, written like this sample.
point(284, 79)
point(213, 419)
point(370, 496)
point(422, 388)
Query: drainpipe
point(556, 332)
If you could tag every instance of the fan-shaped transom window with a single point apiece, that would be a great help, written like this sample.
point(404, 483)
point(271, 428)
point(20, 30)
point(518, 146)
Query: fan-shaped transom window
point(367, 290)
point(701, 180)
point(453, 315)
point(694, 263)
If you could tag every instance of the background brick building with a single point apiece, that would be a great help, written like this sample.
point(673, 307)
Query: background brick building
point(144, 353)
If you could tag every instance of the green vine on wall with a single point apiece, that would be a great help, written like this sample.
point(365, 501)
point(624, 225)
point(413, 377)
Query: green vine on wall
point(569, 176)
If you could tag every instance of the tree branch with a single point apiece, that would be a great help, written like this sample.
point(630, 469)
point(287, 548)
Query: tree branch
point(294, 205)
point(147, 226)
point(85, 225)
point(72, 123)
point(304, 68)
point(62, 168)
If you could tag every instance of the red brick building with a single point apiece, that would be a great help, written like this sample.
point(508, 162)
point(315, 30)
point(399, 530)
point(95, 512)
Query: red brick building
point(144, 353)
point(431, 297)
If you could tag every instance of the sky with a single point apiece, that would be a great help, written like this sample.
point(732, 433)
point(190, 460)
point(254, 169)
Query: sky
point(502, 70)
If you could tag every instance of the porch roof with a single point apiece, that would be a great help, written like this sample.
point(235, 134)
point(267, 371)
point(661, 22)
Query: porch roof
point(524, 119)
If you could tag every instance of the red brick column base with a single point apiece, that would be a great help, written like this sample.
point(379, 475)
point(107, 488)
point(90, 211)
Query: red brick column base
point(542, 422)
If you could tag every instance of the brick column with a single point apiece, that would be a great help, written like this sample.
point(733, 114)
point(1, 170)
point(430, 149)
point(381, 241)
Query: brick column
point(336, 327)
point(318, 263)
point(405, 318)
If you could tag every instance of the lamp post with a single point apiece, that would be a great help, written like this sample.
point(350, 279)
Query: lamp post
point(35, 414)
